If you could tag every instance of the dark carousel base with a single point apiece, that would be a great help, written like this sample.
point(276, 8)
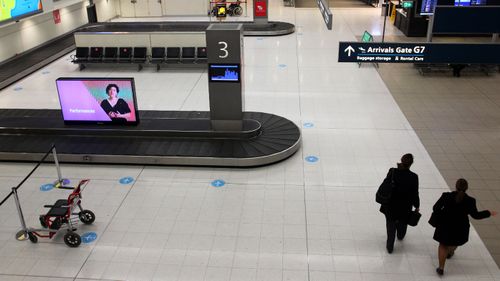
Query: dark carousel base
point(161, 138)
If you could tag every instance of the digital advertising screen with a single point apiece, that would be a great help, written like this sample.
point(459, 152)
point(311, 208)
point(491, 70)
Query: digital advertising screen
point(224, 72)
point(11, 10)
point(427, 8)
point(98, 100)
point(465, 3)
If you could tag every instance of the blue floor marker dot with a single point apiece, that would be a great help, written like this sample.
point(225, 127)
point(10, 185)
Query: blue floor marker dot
point(89, 237)
point(126, 180)
point(312, 159)
point(45, 72)
point(282, 65)
point(308, 125)
point(260, 39)
point(18, 88)
point(46, 187)
point(218, 183)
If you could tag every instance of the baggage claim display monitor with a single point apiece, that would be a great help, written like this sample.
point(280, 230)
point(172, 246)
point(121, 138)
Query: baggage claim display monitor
point(12, 10)
point(224, 73)
point(98, 100)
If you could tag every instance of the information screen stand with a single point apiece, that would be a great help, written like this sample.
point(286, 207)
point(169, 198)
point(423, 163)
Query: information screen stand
point(225, 76)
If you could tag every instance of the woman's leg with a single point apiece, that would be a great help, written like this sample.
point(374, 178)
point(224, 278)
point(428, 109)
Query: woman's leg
point(451, 251)
point(442, 254)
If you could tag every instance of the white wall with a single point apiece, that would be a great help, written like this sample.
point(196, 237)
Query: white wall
point(185, 7)
point(106, 9)
point(28, 33)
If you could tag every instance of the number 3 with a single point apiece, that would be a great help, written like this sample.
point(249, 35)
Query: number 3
point(224, 49)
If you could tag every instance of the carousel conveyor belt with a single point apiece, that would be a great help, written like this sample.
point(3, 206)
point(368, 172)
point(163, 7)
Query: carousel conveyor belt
point(28, 62)
point(274, 139)
point(272, 28)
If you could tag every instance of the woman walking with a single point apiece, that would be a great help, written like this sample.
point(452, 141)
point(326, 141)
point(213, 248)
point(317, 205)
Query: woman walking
point(452, 226)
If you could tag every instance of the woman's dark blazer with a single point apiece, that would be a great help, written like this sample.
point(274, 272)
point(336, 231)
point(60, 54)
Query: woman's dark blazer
point(404, 196)
point(453, 225)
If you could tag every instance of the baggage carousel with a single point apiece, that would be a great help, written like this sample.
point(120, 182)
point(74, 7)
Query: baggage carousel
point(161, 138)
point(28, 62)
point(272, 28)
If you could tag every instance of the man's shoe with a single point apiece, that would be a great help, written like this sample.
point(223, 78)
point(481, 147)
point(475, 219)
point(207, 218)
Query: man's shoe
point(390, 249)
point(439, 271)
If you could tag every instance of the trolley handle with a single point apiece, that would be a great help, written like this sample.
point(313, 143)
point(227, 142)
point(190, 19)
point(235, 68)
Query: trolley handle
point(83, 184)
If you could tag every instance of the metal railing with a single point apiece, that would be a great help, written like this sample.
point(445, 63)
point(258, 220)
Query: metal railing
point(23, 233)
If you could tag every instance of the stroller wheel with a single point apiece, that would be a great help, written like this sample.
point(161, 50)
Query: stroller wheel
point(237, 11)
point(42, 221)
point(230, 10)
point(72, 239)
point(87, 216)
point(32, 237)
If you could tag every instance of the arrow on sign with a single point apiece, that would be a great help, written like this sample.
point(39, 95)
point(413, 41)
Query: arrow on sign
point(349, 50)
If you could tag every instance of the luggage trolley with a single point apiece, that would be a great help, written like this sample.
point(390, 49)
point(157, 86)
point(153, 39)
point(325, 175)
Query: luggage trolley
point(64, 214)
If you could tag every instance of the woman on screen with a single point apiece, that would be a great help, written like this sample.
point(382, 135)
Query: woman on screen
point(116, 108)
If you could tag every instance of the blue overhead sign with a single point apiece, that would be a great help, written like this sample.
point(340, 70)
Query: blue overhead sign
point(419, 53)
point(324, 8)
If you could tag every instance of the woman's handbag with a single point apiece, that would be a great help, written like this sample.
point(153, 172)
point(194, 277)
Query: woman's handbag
point(414, 218)
point(435, 218)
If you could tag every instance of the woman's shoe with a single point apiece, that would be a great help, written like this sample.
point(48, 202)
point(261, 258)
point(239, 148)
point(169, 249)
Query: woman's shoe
point(439, 271)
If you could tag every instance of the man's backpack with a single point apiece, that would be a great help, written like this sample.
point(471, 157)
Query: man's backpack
point(385, 190)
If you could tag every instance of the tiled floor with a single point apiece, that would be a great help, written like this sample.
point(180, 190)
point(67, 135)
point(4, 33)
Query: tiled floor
point(457, 121)
point(294, 220)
